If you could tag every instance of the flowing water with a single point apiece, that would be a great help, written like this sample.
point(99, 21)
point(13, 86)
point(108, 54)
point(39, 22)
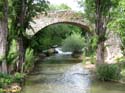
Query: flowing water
point(63, 74)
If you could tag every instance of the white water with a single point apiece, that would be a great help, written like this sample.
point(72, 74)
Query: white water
point(61, 52)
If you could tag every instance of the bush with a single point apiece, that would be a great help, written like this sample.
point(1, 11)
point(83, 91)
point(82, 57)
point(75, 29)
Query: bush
point(5, 79)
point(108, 72)
point(18, 77)
point(73, 43)
point(1, 90)
point(29, 60)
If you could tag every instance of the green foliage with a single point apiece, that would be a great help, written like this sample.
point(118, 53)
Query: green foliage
point(105, 8)
point(88, 7)
point(12, 54)
point(1, 9)
point(21, 13)
point(52, 35)
point(121, 59)
point(118, 23)
point(90, 45)
point(18, 77)
point(7, 79)
point(1, 90)
point(123, 72)
point(93, 59)
point(108, 72)
point(99, 12)
point(73, 43)
point(59, 7)
point(29, 60)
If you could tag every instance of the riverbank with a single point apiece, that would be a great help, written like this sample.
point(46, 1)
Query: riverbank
point(11, 83)
point(92, 68)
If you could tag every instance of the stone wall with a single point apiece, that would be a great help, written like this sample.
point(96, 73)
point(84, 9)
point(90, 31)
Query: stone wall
point(113, 50)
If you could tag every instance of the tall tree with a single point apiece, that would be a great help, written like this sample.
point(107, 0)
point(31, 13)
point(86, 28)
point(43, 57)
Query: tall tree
point(99, 12)
point(23, 13)
point(104, 9)
point(3, 34)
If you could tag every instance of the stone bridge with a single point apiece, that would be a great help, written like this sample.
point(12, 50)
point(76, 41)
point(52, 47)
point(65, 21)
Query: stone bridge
point(54, 17)
point(69, 17)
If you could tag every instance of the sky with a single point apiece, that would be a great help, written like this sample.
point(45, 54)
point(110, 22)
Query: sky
point(71, 3)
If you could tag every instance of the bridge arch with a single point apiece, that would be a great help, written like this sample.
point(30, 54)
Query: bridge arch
point(65, 17)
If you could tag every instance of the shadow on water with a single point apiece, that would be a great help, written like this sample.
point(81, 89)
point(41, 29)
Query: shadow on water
point(64, 74)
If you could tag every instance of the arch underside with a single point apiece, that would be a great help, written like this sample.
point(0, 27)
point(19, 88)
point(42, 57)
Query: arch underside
point(40, 24)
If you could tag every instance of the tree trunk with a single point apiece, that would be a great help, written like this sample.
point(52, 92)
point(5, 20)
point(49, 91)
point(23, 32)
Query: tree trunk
point(100, 29)
point(20, 38)
point(3, 37)
point(100, 53)
point(3, 43)
point(21, 54)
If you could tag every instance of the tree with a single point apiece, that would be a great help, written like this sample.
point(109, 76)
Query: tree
point(23, 12)
point(99, 11)
point(3, 34)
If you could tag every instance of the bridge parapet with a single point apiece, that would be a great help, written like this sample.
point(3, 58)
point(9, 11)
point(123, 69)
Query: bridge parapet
point(61, 14)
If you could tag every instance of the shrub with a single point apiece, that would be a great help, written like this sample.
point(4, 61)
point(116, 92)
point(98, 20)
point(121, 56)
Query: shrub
point(5, 79)
point(108, 72)
point(29, 59)
point(73, 43)
point(18, 77)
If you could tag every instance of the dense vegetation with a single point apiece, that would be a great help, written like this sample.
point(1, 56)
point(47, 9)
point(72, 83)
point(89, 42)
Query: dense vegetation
point(52, 35)
point(108, 72)
point(73, 43)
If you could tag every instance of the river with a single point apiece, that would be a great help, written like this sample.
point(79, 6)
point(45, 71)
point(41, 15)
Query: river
point(63, 74)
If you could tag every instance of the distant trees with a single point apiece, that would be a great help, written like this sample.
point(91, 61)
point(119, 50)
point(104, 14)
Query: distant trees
point(59, 7)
